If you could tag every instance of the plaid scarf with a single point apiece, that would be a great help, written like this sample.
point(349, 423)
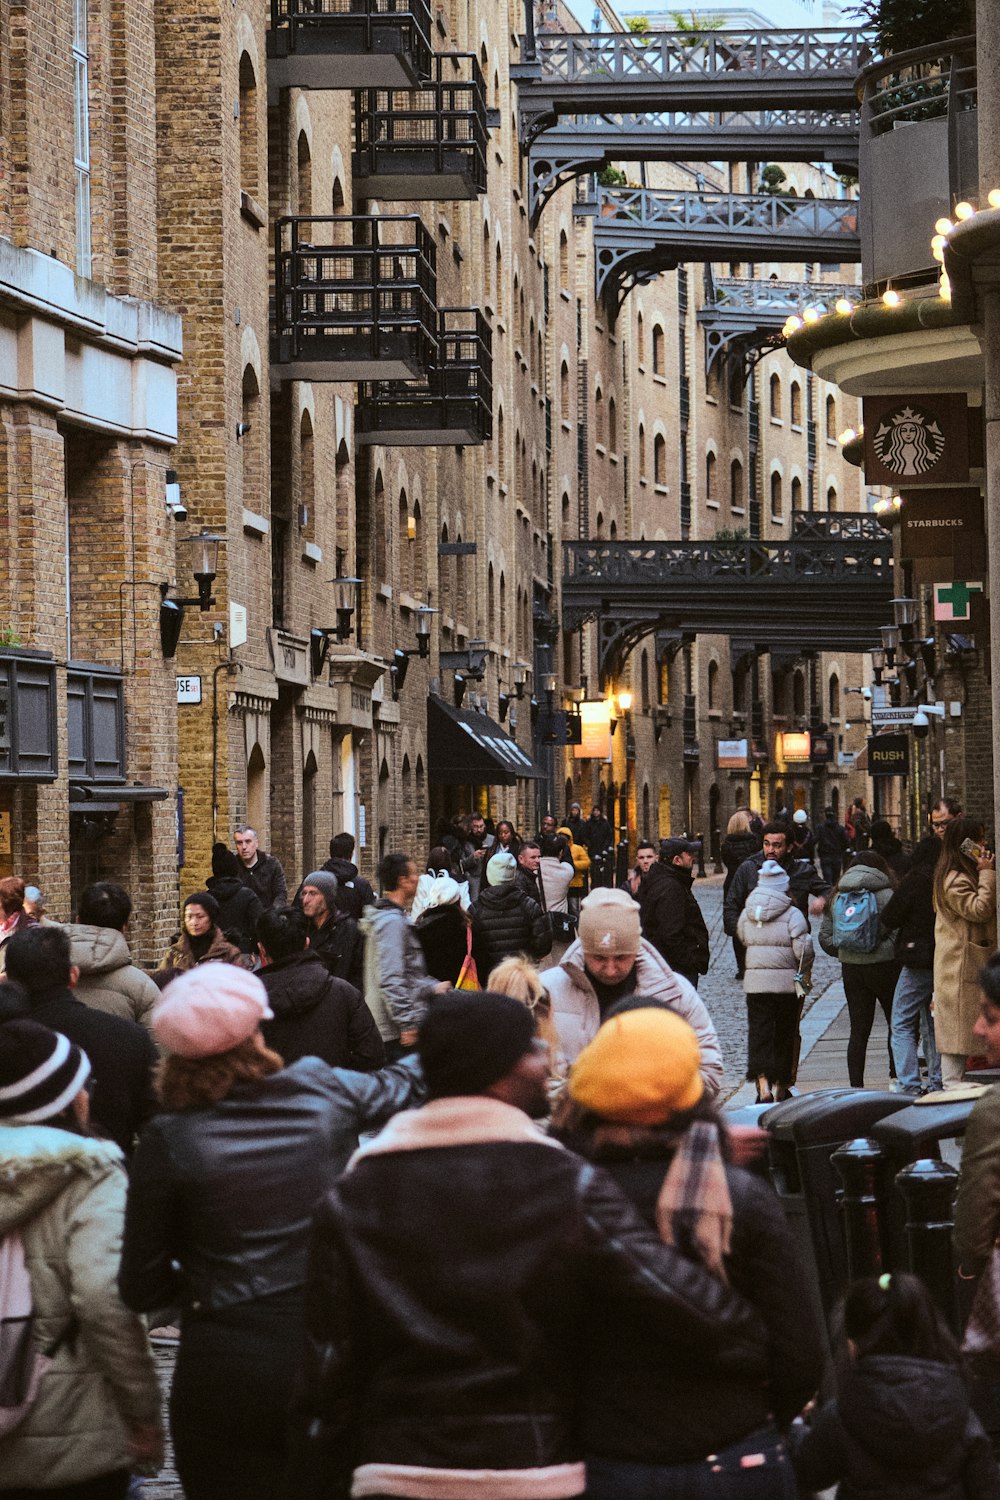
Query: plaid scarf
point(694, 1211)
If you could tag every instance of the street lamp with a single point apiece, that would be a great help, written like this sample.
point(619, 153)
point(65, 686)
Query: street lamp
point(401, 658)
point(345, 598)
point(890, 641)
point(205, 567)
point(877, 655)
point(904, 611)
point(520, 670)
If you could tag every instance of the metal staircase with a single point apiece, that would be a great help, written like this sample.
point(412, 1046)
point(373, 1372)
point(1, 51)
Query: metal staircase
point(586, 143)
point(639, 232)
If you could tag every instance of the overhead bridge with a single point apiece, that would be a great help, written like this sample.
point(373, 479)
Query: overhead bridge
point(578, 74)
point(580, 144)
point(743, 318)
point(639, 232)
point(825, 589)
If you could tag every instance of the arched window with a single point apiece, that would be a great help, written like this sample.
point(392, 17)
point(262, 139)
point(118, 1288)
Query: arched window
point(831, 419)
point(337, 199)
point(307, 478)
point(490, 603)
point(644, 682)
point(713, 684)
point(658, 349)
point(303, 180)
point(642, 451)
point(736, 484)
point(405, 545)
point(710, 476)
point(487, 265)
point(831, 498)
point(640, 340)
point(776, 500)
point(250, 443)
point(503, 608)
point(599, 416)
point(500, 447)
point(249, 129)
point(775, 389)
point(612, 425)
point(796, 494)
point(564, 391)
point(834, 698)
point(659, 459)
point(498, 290)
point(564, 260)
point(795, 413)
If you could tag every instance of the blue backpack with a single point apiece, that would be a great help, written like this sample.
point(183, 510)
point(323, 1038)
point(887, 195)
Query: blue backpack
point(855, 921)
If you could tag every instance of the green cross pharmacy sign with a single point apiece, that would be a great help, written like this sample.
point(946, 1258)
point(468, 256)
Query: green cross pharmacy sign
point(953, 601)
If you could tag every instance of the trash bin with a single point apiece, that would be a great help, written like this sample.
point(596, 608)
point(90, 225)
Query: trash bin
point(803, 1133)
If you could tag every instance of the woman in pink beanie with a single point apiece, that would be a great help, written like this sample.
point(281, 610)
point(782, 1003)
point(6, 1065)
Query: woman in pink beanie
point(220, 1203)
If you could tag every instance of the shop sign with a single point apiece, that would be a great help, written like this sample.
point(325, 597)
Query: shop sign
point(939, 523)
point(733, 755)
point(953, 601)
point(821, 749)
point(889, 755)
point(846, 759)
point(595, 731)
point(916, 440)
point(793, 746)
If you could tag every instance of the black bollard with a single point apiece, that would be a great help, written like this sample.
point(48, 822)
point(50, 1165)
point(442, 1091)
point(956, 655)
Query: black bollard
point(700, 839)
point(860, 1166)
point(928, 1188)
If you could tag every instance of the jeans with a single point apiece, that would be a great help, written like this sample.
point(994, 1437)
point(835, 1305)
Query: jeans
point(911, 1015)
point(866, 985)
point(831, 869)
point(772, 1031)
point(756, 1468)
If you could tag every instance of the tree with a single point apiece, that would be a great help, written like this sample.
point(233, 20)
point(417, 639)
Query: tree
point(902, 25)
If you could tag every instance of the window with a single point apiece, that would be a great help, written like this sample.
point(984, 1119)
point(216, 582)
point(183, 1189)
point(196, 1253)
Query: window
point(563, 260)
point(644, 682)
point(775, 389)
point(642, 450)
point(736, 484)
point(640, 340)
point(612, 425)
point(307, 478)
point(710, 477)
point(796, 494)
point(776, 501)
point(499, 283)
point(487, 265)
point(81, 137)
point(834, 698)
point(564, 391)
point(659, 459)
point(599, 416)
point(713, 685)
point(795, 413)
point(249, 132)
point(304, 176)
point(657, 349)
point(831, 420)
point(831, 498)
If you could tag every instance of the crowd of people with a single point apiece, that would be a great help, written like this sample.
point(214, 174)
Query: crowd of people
point(434, 1183)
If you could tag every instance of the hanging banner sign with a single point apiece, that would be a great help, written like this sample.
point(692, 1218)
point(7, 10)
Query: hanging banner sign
point(937, 523)
point(916, 440)
point(821, 749)
point(953, 601)
point(733, 755)
point(595, 731)
point(889, 755)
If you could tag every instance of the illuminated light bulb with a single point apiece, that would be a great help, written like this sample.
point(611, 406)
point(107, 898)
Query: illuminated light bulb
point(993, 197)
point(964, 210)
point(944, 287)
point(810, 315)
point(843, 306)
point(937, 253)
point(891, 298)
point(881, 506)
point(847, 436)
point(896, 501)
point(943, 226)
point(794, 323)
point(938, 242)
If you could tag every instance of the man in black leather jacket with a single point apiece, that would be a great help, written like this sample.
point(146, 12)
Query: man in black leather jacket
point(454, 1272)
point(806, 886)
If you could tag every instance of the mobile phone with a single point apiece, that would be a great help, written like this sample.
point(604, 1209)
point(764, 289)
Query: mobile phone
point(971, 849)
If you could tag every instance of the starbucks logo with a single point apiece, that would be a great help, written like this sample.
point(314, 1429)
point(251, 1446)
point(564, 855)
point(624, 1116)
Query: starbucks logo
point(908, 441)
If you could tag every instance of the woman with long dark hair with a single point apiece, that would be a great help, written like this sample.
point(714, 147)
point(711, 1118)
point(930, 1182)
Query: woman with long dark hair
point(869, 966)
point(965, 934)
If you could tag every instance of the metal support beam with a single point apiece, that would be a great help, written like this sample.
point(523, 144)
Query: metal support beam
point(744, 318)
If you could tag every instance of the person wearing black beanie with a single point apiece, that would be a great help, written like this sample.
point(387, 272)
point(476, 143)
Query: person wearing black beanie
point(239, 905)
point(467, 1042)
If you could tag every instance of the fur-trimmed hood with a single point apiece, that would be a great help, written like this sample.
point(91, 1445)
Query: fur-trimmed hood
point(36, 1162)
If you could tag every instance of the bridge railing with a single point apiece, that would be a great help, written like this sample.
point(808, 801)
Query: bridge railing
point(759, 212)
point(709, 54)
point(631, 564)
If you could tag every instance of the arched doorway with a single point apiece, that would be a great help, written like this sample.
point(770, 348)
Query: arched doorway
point(257, 792)
point(309, 772)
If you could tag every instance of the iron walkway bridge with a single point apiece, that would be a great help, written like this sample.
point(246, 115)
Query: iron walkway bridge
point(578, 74)
point(639, 232)
point(588, 142)
point(826, 589)
point(743, 318)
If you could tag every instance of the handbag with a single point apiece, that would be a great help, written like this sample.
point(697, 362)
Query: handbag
point(468, 974)
point(982, 1332)
point(563, 926)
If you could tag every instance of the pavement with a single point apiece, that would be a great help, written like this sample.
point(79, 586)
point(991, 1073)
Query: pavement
point(823, 1064)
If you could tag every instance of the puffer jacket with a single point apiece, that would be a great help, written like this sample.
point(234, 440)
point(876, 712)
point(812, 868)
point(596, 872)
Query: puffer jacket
point(109, 980)
point(66, 1195)
point(900, 1429)
point(506, 921)
point(580, 857)
point(804, 880)
point(397, 986)
point(778, 942)
point(577, 1013)
point(316, 1015)
point(861, 878)
point(556, 877)
point(239, 909)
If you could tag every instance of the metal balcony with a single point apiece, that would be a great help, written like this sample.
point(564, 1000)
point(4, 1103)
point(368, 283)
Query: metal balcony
point(639, 232)
point(348, 44)
point(452, 405)
point(428, 143)
point(580, 74)
point(355, 299)
point(744, 318)
point(586, 143)
point(919, 146)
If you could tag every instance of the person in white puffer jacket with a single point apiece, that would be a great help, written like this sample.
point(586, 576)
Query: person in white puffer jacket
point(778, 948)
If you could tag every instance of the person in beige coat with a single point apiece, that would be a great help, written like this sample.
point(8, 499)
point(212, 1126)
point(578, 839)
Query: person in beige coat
point(965, 934)
point(97, 1408)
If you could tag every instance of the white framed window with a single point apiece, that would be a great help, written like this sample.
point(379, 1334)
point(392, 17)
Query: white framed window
point(81, 138)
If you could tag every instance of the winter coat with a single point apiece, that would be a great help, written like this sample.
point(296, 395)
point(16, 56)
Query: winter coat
point(639, 1403)
point(803, 881)
point(221, 1199)
point(353, 891)
point(778, 942)
point(341, 947)
point(443, 933)
point(239, 908)
point(180, 956)
point(900, 1429)
point(861, 878)
point(965, 934)
point(910, 914)
point(505, 921)
point(891, 851)
point(577, 1014)
point(831, 840)
point(530, 884)
point(267, 879)
point(579, 855)
point(736, 847)
point(474, 866)
point(122, 1056)
point(316, 1015)
point(977, 1206)
point(514, 1250)
point(397, 987)
point(66, 1195)
point(109, 980)
point(599, 836)
point(556, 877)
point(672, 919)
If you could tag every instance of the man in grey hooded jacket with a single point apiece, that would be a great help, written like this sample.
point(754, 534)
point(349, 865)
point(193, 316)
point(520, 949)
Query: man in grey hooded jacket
point(398, 987)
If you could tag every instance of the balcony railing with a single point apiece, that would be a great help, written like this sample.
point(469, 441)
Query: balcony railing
point(339, 44)
point(426, 143)
point(919, 146)
point(453, 405)
point(355, 298)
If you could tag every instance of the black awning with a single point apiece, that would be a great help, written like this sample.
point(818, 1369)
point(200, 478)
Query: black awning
point(92, 792)
point(469, 749)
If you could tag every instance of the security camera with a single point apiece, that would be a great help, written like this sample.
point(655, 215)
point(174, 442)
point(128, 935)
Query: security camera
point(866, 694)
point(920, 724)
point(175, 504)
